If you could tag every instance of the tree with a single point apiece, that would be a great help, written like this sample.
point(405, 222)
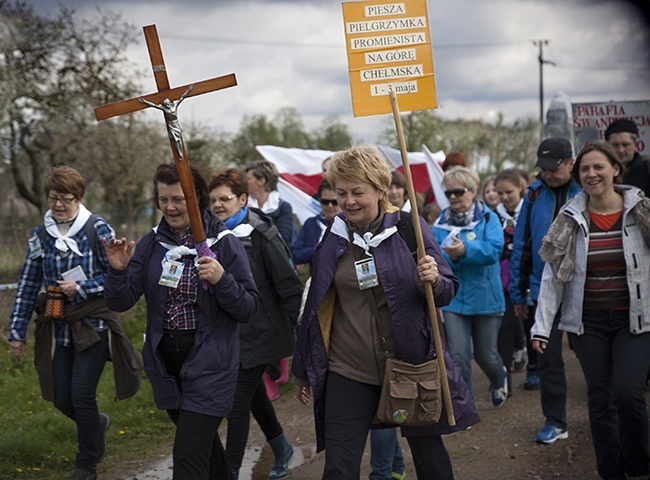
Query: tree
point(291, 129)
point(119, 160)
point(332, 135)
point(499, 144)
point(52, 73)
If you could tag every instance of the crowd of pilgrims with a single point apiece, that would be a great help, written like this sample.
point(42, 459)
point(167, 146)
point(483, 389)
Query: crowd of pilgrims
point(513, 260)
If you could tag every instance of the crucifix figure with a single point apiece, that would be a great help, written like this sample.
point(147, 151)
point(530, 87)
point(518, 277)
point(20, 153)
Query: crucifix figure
point(170, 110)
point(167, 100)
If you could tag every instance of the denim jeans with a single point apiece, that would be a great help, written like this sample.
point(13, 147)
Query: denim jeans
point(477, 334)
point(385, 454)
point(76, 375)
point(615, 365)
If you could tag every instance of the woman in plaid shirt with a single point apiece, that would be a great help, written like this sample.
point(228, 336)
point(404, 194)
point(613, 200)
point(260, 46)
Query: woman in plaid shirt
point(62, 254)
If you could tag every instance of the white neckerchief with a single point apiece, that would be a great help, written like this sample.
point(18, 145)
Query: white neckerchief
point(65, 242)
point(243, 230)
point(503, 211)
point(323, 229)
point(271, 205)
point(454, 230)
point(174, 252)
point(368, 241)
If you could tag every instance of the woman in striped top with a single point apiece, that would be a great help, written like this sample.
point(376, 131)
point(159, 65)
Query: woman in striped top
point(598, 272)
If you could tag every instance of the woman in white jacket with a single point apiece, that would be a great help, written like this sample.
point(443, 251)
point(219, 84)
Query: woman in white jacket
point(598, 271)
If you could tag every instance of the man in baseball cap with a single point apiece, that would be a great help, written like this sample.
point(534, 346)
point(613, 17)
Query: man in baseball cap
point(622, 135)
point(541, 206)
point(555, 159)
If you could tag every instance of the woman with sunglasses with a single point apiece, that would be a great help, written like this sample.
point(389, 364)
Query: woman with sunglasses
point(314, 228)
point(471, 238)
point(268, 336)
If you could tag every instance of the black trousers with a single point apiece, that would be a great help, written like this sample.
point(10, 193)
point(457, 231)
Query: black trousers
point(350, 407)
point(198, 452)
point(250, 397)
point(614, 363)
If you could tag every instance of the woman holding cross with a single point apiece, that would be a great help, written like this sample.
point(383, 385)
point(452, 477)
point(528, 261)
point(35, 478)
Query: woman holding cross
point(191, 351)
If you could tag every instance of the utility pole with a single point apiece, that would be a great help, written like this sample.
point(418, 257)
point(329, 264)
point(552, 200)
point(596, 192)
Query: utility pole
point(541, 44)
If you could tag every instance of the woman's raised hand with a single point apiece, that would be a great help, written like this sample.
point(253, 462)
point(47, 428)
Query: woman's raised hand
point(119, 252)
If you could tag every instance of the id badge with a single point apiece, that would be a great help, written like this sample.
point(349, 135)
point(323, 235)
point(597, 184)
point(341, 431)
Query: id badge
point(171, 273)
point(366, 273)
point(35, 249)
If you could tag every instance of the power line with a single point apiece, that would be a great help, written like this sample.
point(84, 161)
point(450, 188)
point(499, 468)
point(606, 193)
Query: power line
point(208, 38)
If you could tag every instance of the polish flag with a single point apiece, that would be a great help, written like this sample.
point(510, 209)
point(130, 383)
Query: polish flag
point(301, 168)
point(304, 206)
point(425, 170)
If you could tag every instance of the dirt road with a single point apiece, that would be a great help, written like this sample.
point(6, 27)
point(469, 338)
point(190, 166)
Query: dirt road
point(500, 447)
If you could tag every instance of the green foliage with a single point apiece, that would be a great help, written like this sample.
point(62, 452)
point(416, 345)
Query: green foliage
point(37, 441)
point(52, 72)
point(499, 144)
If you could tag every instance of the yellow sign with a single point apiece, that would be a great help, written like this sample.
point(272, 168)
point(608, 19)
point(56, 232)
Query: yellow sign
point(389, 47)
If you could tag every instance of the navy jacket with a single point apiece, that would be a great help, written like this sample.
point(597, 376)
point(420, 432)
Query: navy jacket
point(303, 248)
point(526, 266)
point(210, 370)
point(410, 321)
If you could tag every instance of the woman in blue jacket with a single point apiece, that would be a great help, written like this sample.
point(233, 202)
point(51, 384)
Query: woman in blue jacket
point(194, 305)
point(471, 238)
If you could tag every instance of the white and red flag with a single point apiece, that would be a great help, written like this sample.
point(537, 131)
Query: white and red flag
point(425, 170)
point(301, 168)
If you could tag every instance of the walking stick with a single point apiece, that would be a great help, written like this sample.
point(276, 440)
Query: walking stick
point(421, 252)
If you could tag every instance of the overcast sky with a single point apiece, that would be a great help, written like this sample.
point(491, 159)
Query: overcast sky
point(292, 54)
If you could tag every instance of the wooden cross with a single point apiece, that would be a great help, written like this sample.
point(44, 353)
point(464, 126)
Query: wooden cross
point(167, 99)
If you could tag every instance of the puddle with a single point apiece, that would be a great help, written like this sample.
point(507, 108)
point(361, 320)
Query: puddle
point(256, 465)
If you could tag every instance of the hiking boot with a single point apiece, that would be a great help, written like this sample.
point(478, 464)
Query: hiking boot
point(549, 434)
point(532, 380)
point(83, 474)
point(520, 358)
point(104, 425)
point(500, 395)
point(282, 453)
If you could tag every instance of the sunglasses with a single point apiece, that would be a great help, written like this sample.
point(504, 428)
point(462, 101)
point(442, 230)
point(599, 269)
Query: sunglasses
point(458, 192)
point(325, 201)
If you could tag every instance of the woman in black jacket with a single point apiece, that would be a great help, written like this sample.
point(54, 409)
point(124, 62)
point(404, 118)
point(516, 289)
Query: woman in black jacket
point(268, 335)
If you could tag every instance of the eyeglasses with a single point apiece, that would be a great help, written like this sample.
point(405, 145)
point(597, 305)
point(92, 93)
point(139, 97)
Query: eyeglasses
point(225, 199)
point(325, 201)
point(52, 199)
point(458, 192)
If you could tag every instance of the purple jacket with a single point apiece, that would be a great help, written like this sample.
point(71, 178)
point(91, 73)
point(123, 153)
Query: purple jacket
point(409, 315)
point(210, 370)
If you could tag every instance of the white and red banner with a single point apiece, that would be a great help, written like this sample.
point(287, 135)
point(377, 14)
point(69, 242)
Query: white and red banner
point(302, 168)
point(301, 173)
point(425, 170)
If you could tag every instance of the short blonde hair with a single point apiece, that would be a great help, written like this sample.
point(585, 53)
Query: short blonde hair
point(463, 175)
point(361, 164)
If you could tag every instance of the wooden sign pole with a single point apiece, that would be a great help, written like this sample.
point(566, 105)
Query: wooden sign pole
point(421, 252)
